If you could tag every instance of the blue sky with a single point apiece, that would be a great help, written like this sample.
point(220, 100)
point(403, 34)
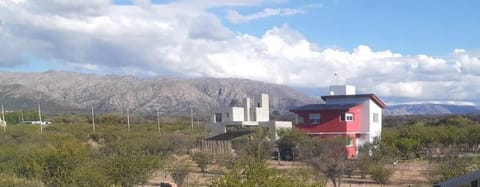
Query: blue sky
point(405, 26)
point(423, 50)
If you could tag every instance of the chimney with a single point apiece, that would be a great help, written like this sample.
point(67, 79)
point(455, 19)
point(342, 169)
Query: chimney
point(342, 90)
point(246, 109)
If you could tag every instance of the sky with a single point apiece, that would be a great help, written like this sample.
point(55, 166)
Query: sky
point(401, 50)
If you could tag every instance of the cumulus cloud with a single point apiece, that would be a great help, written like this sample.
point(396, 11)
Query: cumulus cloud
point(236, 17)
point(186, 40)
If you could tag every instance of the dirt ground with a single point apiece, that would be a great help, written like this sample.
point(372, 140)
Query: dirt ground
point(410, 173)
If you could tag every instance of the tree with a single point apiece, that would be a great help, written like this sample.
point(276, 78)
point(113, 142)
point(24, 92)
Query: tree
point(128, 163)
point(452, 165)
point(327, 156)
point(380, 174)
point(179, 171)
point(407, 147)
point(54, 165)
point(289, 141)
point(202, 160)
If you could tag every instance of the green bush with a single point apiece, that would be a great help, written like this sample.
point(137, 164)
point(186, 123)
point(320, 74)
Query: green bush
point(127, 164)
point(64, 155)
point(253, 171)
point(13, 181)
point(179, 172)
point(202, 160)
point(380, 174)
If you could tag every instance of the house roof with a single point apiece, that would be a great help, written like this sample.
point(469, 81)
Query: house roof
point(320, 107)
point(230, 135)
point(373, 97)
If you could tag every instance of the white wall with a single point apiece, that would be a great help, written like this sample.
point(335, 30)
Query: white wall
point(365, 117)
point(246, 110)
point(237, 114)
point(375, 128)
point(262, 113)
point(342, 90)
point(275, 126)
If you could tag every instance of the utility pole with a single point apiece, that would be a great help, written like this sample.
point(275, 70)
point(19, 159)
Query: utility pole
point(128, 119)
point(4, 122)
point(93, 120)
point(191, 115)
point(40, 118)
point(158, 123)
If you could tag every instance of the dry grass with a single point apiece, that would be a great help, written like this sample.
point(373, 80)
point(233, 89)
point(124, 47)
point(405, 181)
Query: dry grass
point(409, 173)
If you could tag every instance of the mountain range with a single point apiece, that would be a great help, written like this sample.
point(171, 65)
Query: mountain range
point(429, 109)
point(64, 92)
point(60, 92)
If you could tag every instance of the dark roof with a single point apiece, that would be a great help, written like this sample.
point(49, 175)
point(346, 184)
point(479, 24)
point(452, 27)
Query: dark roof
point(375, 99)
point(230, 135)
point(319, 107)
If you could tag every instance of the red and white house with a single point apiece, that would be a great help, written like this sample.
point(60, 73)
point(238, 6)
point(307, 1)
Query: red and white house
point(345, 113)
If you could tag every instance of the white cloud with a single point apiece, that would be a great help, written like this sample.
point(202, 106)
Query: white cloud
point(236, 17)
point(184, 40)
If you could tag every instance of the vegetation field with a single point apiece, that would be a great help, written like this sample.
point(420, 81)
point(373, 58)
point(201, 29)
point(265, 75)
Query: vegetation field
point(69, 153)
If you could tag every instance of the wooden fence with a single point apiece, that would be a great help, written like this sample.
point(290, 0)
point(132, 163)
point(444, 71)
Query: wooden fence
point(216, 146)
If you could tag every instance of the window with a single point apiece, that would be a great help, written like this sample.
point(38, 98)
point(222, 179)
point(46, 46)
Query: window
point(376, 118)
point(218, 117)
point(299, 119)
point(314, 118)
point(227, 114)
point(346, 117)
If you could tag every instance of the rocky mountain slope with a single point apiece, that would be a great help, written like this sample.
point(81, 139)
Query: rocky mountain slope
point(59, 91)
point(425, 109)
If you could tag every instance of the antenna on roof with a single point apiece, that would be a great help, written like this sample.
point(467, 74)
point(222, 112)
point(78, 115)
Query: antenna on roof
point(336, 78)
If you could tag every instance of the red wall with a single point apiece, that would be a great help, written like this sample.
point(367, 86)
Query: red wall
point(330, 122)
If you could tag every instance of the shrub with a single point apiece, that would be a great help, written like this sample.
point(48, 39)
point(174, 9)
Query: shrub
point(127, 164)
point(380, 174)
point(7, 180)
point(53, 165)
point(252, 171)
point(202, 160)
point(179, 171)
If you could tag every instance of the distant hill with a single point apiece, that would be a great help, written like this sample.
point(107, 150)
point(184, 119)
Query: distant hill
point(60, 91)
point(424, 109)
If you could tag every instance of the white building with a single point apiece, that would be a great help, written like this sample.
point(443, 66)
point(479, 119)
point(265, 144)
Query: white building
point(253, 113)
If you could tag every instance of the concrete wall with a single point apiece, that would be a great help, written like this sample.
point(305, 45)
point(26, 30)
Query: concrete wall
point(375, 127)
point(246, 109)
point(342, 90)
point(251, 114)
point(262, 110)
point(275, 126)
point(237, 114)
